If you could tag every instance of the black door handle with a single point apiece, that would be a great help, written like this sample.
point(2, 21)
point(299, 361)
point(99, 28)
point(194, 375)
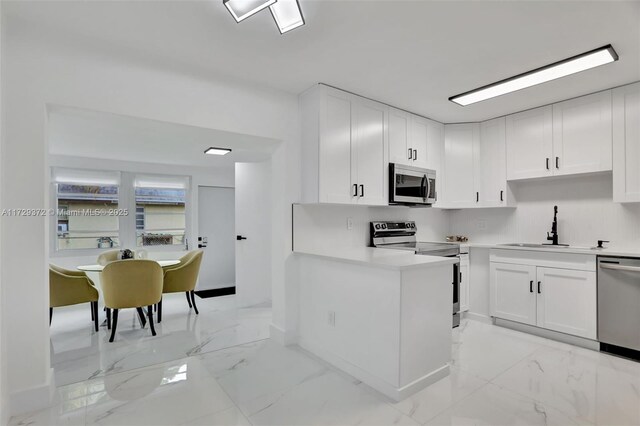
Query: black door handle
point(415, 154)
point(361, 190)
point(531, 286)
point(477, 197)
point(539, 287)
point(410, 153)
point(557, 160)
point(501, 196)
point(355, 189)
point(547, 164)
point(240, 237)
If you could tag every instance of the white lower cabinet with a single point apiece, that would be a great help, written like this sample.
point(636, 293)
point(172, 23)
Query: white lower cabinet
point(512, 292)
point(567, 301)
point(464, 283)
point(539, 291)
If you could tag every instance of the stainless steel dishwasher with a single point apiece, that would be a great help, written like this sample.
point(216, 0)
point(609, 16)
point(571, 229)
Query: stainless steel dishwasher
point(619, 305)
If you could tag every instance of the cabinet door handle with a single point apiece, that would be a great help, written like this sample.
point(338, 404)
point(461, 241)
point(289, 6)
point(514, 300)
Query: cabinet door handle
point(410, 153)
point(539, 282)
point(460, 277)
point(531, 286)
point(547, 163)
point(361, 190)
point(557, 162)
point(355, 189)
point(501, 195)
point(415, 154)
point(477, 197)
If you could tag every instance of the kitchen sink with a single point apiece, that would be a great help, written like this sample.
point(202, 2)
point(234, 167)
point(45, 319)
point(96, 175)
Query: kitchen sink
point(529, 245)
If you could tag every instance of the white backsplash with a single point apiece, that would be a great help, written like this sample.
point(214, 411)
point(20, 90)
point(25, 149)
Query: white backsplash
point(586, 214)
point(324, 226)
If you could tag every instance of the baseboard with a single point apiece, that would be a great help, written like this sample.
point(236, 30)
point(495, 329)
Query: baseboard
point(215, 292)
point(385, 388)
point(33, 399)
point(283, 337)
point(549, 334)
point(477, 317)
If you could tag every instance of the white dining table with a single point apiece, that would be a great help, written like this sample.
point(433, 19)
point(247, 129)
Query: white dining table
point(99, 268)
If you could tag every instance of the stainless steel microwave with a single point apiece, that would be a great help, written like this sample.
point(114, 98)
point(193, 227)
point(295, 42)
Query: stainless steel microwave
point(411, 185)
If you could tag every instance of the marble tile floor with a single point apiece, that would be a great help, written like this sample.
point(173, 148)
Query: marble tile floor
point(499, 377)
point(78, 353)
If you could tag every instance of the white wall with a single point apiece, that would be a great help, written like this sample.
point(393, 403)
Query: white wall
point(586, 214)
point(4, 392)
point(39, 71)
point(321, 227)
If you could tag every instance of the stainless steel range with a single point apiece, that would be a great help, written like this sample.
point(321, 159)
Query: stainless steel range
point(402, 236)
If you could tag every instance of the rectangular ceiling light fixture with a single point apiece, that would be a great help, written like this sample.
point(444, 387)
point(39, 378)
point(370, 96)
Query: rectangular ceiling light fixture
point(575, 64)
point(217, 151)
point(242, 9)
point(287, 14)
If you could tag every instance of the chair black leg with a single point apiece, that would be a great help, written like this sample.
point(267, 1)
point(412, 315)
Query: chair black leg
point(159, 305)
point(143, 320)
point(108, 318)
point(189, 299)
point(193, 300)
point(50, 315)
point(94, 309)
point(92, 314)
point(150, 312)
point(114, 325)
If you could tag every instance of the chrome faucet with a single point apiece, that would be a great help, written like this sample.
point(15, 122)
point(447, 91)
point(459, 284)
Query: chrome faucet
point(553, 236)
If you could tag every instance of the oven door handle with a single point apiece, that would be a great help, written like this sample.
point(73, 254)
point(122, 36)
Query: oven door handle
point(620, 267)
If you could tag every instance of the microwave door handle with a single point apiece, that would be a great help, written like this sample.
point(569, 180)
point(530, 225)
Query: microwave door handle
point(424, 187)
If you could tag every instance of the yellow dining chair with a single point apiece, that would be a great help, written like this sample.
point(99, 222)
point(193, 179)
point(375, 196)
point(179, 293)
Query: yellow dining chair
point(131, 283)
point(183, 277)
point(108, 256)
point(68, 287)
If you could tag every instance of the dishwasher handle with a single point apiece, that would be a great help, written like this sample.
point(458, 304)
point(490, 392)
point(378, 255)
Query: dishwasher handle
point(619, 267)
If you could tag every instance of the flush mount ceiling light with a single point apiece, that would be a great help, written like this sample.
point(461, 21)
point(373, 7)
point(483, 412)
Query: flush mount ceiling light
point(287, 14)
point(242, 9)
point(575, 64)
point(217, 151)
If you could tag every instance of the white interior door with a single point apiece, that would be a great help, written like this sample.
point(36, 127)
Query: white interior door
point(253, 224)
point(216, 228)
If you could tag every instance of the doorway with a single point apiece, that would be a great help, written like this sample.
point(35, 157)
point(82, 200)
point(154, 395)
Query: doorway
point(216, 237)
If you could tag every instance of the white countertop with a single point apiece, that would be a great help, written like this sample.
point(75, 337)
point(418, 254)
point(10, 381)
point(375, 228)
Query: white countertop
point(382, 258)
point(629, 251)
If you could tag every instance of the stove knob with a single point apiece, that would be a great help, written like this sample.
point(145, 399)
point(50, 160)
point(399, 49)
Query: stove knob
point(413, 225)
point(377, 226)
point(384, 226)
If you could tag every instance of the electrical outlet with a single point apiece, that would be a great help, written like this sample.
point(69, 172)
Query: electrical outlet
point(482, 225)
point(331, 318)
point(349, 223)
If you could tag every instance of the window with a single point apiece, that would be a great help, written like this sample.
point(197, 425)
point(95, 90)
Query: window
point(86, 215)
point(160, 211)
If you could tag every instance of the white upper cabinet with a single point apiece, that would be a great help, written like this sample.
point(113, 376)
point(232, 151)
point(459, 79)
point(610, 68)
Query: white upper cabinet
point(492, 165)
point(400, 150)
point(344, 148)
point(335, 149)
point(435, 155)
point(461, 144)
point(529, 143)
point(566, 138)
point(582, 135)
point(419, 141)
point(626, 144)
point(369, 161)
point(408, 139)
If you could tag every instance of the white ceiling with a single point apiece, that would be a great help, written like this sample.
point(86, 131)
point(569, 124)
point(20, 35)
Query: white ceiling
point(83, 133)
point(411, 54)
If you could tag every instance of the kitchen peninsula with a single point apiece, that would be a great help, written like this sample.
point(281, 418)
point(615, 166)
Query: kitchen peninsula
point(383, 316)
